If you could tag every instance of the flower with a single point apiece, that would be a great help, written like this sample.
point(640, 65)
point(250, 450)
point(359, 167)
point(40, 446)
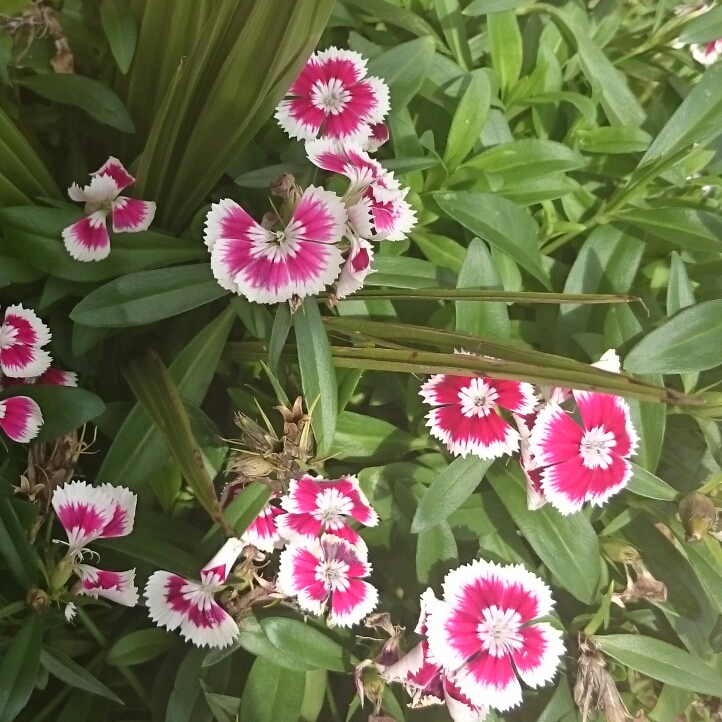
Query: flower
point(328, 573)
point(424, 678)
point(271, 266)
point(355, 269)
point(22, 336)
point(466, 418)
point(333, 97)
point(263, 532)
point(707, 53)
point(88, 513)
point(483, 632)
point(88, 239)
point(50, 377)
point(20, 418)
point(374, 199)
point(379, 135)
point(319, 505)
point(587, 462)
point(178, 603)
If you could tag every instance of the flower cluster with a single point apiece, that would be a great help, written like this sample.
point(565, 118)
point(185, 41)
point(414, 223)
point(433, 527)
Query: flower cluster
point(88, 513)
point(88, 239)
point(22, 360)
point(320, 239)
point(567, 460)
point(323, 565)
point(479, 639)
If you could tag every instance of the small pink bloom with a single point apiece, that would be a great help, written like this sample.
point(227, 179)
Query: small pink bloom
point(51, 377)
point(333, 97)
point(87, 513)
point(315, 506)
point(587, 462)
point(178, 603)
point(274, 266)
point(379, 135)
point(20, 418)
point(328, 573)
point(483, 633)
point(466, 418)
point(88, 239)
point(263, 532)
point(90, 512)
point(22, 336)
point(355, 269)
point(708, 53)
point(119, 587)
point(535, 498)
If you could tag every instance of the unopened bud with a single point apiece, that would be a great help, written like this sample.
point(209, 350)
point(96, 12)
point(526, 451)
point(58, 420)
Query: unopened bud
point(698, 513)
point(619, 551)
point(37, 600)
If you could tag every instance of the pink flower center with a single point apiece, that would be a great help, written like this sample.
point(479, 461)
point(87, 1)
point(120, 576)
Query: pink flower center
point(334, 574)
point(499, 631)
point(331, 97)
point(478, 398)
point(595, 448)
point(331, 508)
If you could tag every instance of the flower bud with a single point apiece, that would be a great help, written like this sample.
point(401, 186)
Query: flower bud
point(698, 513)
point(37, 600)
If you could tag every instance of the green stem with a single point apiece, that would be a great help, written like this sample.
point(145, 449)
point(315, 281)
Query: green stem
point(601, 615)
point(136, 684)
point(88, 623)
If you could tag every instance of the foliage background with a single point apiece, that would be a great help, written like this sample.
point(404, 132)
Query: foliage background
point(571, 139)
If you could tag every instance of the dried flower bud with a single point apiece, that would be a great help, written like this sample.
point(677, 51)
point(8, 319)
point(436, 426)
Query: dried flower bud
point(37, 600)
point(645, 586)
point(269, 220)
point(698, 513)
point(594, 688)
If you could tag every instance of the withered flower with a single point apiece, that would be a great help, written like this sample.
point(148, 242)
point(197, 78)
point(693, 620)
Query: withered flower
point(698, 514)
point(390, 651)
point(644, 586)
point(594, 688)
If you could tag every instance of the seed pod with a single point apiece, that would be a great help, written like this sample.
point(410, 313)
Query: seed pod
point(698, 513)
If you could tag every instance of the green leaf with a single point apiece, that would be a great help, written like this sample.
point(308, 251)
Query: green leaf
point(436, 553)
point(154, 388)
point(366, 437)
point(149, 296)
point(505, 46)
point(138, 448)
point(121, 29)
point(567, 545)
point(484, 7)
point(272, 693)
point(35, 235)
point(697, 120)
point(64, 408)
point(224, 707)
point(451, 488)
point(96, 99)
point(661, 661)
point(139, 647)
point(686, 343)
point(499, 222)
point(320, 388)
point(644, 483)
point(440, 250)
point(453, 25)
point(307, 646)
point(613, 140)
point(404, 68)
point(19, 668)
point(279, 335)
point(62, 667)
point(688, 228)
point(241, 512)
point(468, 120)
point(486, 320)
point(19, 556)
point(703, 29)
point(679, 291)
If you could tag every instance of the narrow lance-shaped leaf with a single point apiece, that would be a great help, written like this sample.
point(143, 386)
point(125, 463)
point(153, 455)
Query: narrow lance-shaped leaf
point(468, 120)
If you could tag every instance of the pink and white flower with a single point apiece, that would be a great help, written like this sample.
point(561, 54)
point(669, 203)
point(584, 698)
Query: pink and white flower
point(375, 201)
point(328, 573)
point(88, 239)
point(425, 680)
point(587, 462)
point(22, 336)
point(20, 418)
point(484, 634)
point(88, 513)
point(273, 266)
point(466, 416)
point(355, 269)
point(535, 498)
point(51, 377)
point(333, 97)
point(707, 53)
point(378, 136)
point(263, 532)
point(315, 506)
point(177, 603)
